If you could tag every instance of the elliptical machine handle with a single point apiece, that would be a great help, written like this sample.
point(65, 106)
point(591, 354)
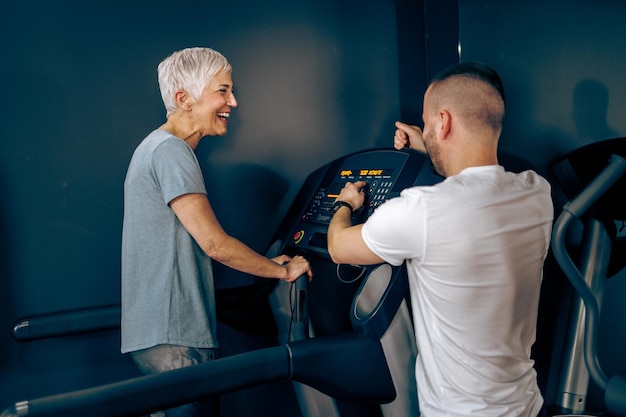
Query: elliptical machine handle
point(575, 209)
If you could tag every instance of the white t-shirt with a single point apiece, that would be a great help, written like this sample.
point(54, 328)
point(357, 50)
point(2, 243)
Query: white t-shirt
point(475, 246)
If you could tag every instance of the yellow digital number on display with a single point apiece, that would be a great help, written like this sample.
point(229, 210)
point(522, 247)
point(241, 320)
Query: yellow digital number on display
point(346, 172)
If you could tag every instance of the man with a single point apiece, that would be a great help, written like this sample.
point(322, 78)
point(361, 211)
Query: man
point(474, 247)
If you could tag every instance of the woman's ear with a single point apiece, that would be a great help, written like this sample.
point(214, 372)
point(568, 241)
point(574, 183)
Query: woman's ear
point(182, 100)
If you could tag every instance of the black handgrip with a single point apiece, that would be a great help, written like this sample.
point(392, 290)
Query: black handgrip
point(301, 308)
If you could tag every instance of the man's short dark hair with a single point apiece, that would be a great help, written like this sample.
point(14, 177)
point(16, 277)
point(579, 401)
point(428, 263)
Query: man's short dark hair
point(473, 70)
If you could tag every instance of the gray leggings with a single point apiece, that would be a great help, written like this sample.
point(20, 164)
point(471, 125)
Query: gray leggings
point(163, 358)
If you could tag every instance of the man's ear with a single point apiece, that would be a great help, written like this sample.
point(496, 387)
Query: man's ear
point(445, 124)
point(182, 99)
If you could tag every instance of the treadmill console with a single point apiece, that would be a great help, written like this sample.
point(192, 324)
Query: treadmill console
point(386, 172)
point(379, 184)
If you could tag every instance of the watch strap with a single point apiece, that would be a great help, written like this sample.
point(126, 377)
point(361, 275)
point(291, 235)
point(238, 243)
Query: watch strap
point(338, 204)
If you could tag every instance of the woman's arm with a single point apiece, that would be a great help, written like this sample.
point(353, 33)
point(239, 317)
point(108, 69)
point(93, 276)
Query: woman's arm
point(197, 216)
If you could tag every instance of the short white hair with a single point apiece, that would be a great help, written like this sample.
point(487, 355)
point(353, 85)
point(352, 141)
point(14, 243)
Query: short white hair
point(191, 70)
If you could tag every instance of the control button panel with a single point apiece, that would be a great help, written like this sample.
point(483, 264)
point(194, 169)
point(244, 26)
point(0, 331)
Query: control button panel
point(379, 184)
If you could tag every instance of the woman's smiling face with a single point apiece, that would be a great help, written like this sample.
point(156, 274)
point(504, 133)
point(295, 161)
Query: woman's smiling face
point(212, 110)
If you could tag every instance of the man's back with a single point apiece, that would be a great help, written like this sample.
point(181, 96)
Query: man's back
point(475, 246)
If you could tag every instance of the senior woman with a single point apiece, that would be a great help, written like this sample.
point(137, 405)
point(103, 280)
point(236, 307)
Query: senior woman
point(171, 234)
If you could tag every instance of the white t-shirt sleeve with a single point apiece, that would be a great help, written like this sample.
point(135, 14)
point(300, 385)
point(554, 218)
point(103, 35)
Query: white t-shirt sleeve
point(396, 230)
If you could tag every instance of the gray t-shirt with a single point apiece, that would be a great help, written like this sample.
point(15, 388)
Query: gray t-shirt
point(168, 294)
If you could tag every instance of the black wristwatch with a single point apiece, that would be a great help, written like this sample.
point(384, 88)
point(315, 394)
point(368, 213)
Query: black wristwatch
point(337, 206)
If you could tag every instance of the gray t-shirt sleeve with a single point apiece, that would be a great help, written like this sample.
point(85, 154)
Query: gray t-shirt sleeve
point(176, 170)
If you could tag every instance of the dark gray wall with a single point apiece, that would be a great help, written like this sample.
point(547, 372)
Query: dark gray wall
point(563, 66)
point(314, 79)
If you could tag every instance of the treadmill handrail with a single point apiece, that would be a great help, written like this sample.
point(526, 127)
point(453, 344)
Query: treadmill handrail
point(331, 364)
point(141, 395)
point(64, 323)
